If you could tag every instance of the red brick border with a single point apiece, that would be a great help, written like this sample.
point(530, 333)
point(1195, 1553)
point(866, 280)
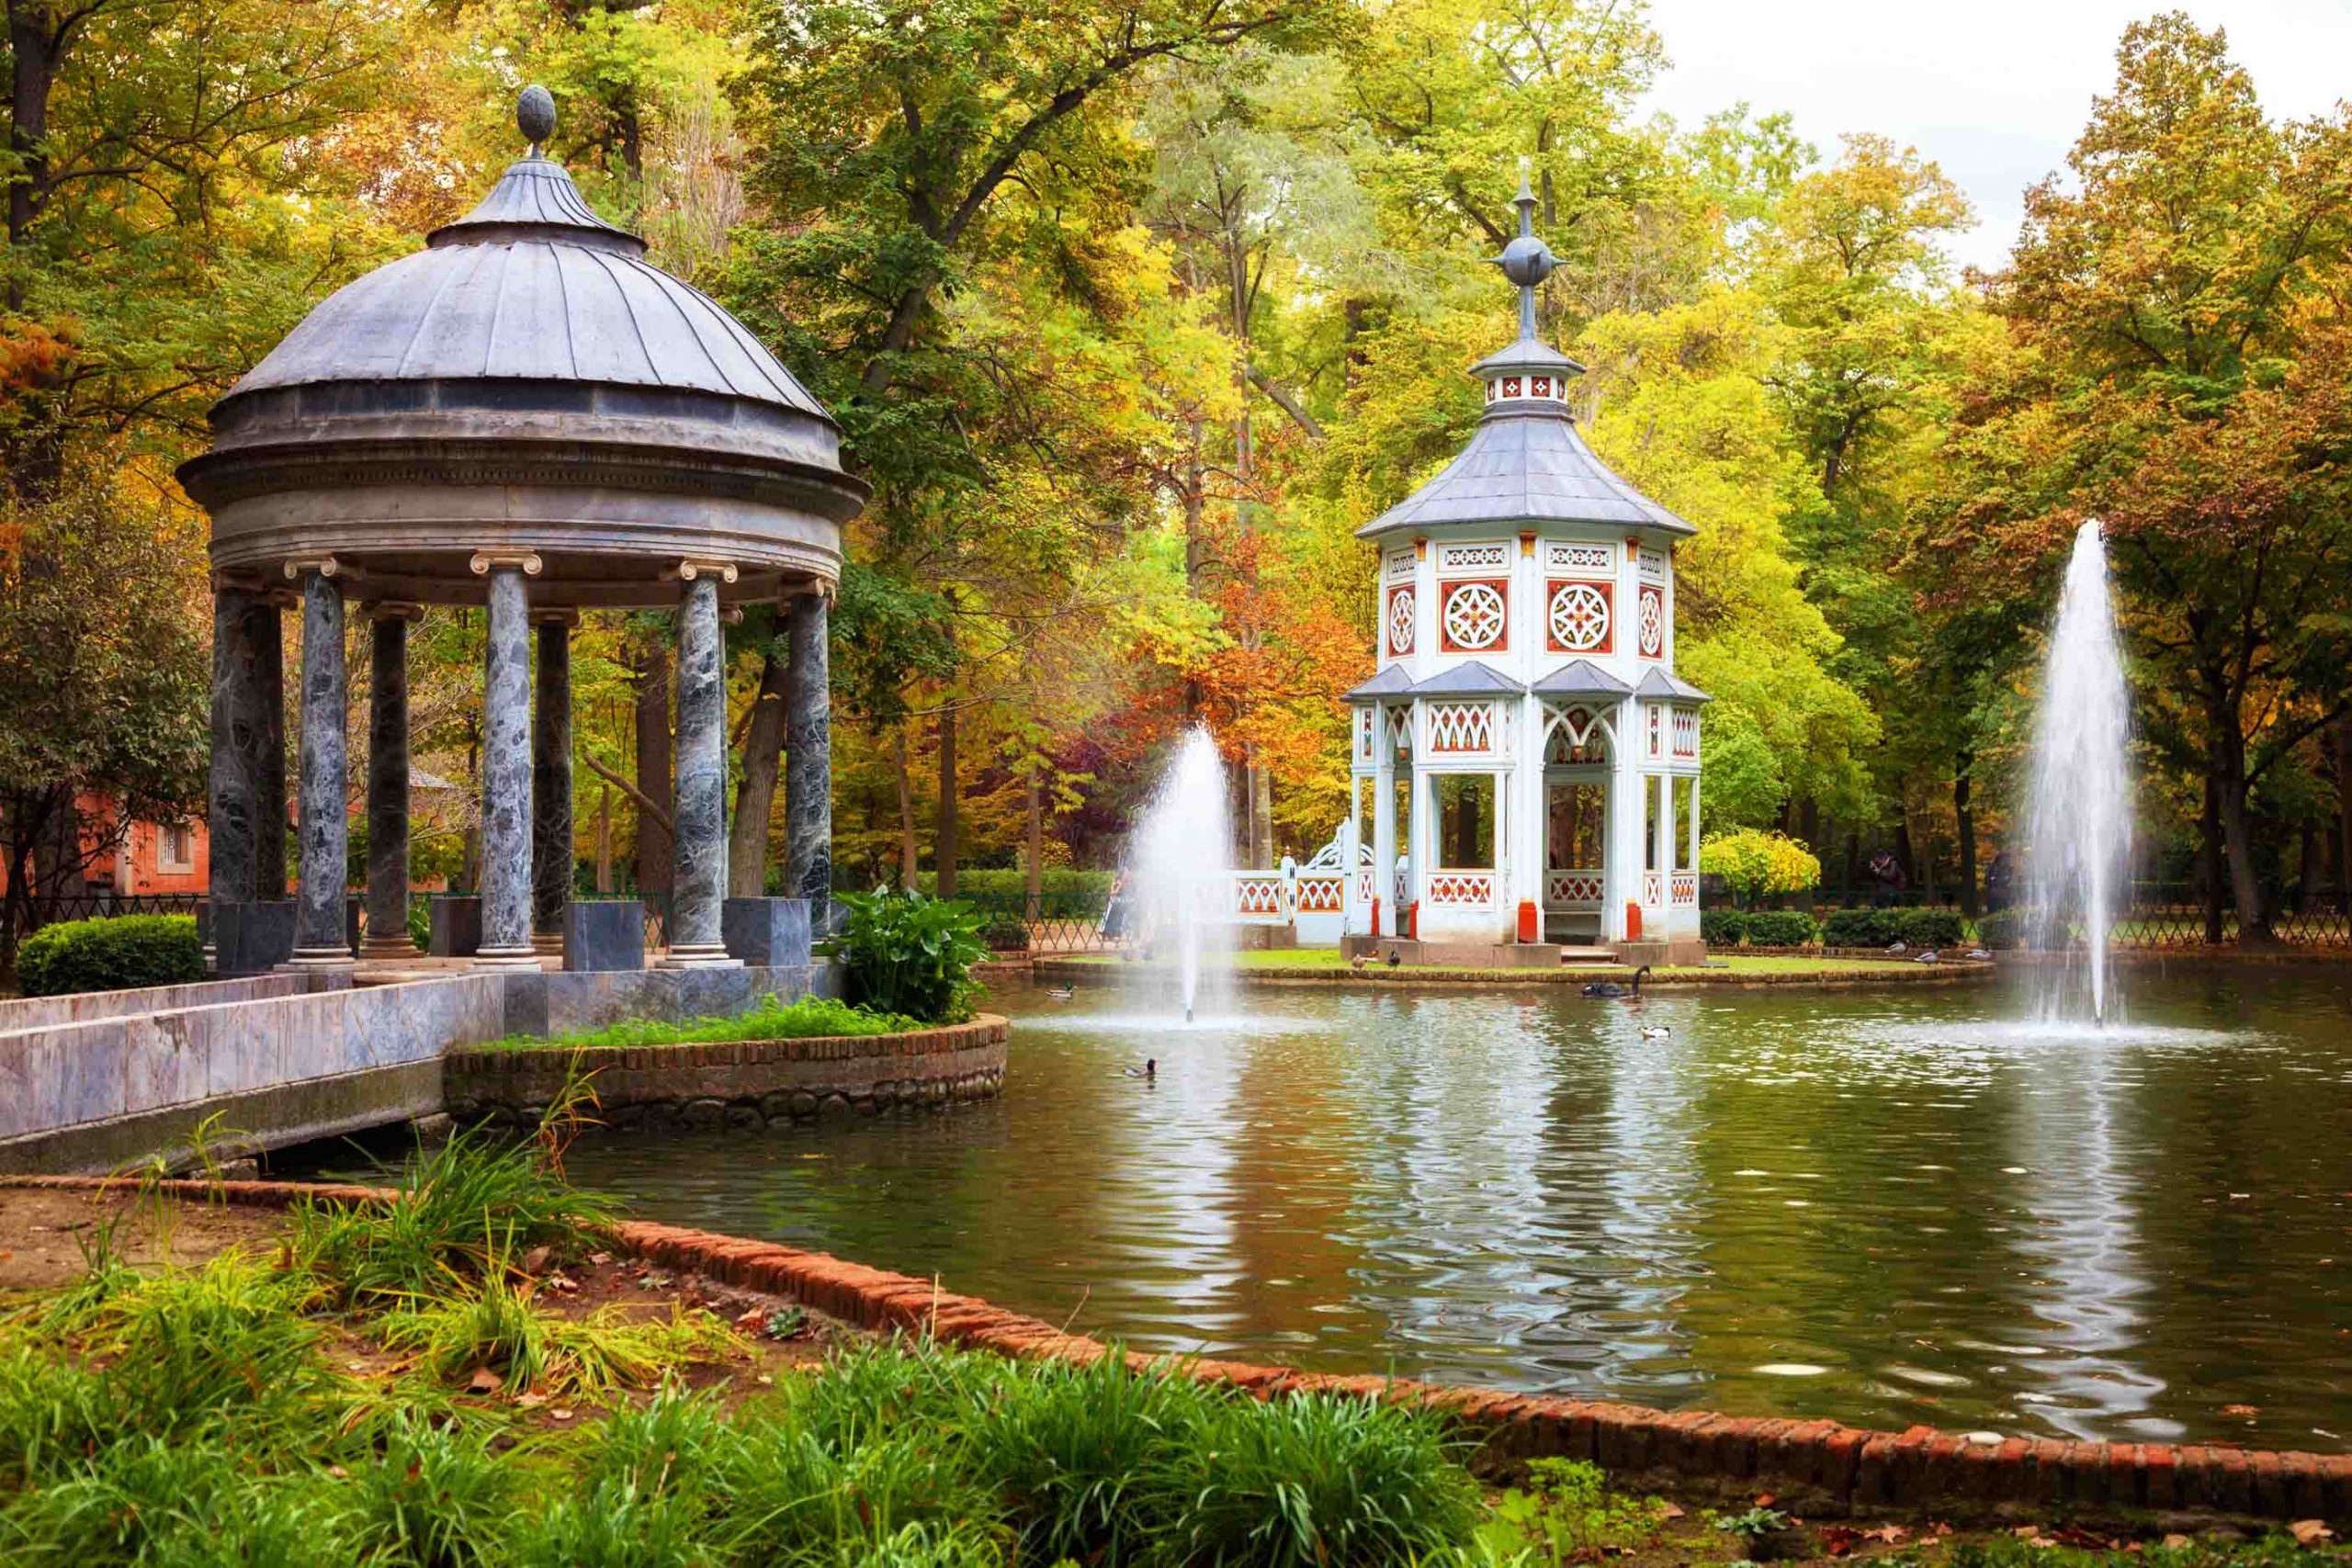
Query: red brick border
point(1820, 1465)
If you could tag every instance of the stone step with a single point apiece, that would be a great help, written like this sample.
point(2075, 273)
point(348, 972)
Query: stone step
point(1574, 957)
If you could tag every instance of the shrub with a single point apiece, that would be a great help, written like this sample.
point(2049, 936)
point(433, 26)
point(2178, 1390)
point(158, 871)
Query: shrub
point(2007, 927)
point(1723, 927)
point(1861, 927)
point(1931, 927)
point(907, 953)
point(1780, 928)
point(810, 1017)
point(110, 954)
point(1006, 932)
point(1753, 863)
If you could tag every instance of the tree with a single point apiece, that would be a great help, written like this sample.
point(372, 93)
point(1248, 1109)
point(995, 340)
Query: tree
point(103, 681)
point(2184, 307)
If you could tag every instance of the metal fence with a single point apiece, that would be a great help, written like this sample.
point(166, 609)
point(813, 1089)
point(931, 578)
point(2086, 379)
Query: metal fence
point(1053, 922)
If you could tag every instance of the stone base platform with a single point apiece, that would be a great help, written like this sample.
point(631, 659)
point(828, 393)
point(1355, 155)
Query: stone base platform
point(1685, 952)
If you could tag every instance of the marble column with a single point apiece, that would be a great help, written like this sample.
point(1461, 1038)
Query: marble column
point(809, 760)
point(231, 793)
point(388, 782)
point(551, 839)
point(696, 941)
point(506, 765)
point(266, 628)
point(321, 937)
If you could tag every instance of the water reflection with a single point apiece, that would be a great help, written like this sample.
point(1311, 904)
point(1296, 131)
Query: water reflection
point(1884, 1208)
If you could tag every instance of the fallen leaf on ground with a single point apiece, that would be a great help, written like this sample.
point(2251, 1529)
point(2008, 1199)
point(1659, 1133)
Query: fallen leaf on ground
point(1893, 1535)
point(1838, 1540)
point(535, 1260)
point(2176, 1541)
point(2246, 1410)
point(531, 1401)
point(561, 1414)
point(600, 1257)
point(2310, 1532)
point(484, 1381)
point(1668, 1511)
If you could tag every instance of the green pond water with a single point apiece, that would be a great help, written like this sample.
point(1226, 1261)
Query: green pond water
point(1882, 1206)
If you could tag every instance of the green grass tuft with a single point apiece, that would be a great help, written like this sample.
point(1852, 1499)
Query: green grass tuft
point(810, 1017)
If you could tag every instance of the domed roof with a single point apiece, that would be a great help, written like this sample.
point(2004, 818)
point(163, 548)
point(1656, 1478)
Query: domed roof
point(529, 286)
point(527, 384)
point(1526, 463)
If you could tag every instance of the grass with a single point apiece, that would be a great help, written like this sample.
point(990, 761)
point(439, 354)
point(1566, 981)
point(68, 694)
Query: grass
point(809, 1018)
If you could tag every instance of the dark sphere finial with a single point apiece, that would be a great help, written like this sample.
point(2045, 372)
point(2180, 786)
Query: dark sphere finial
point(534, 115)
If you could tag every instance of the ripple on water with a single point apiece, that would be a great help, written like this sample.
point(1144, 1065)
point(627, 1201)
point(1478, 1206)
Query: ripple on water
point(1800, 1194)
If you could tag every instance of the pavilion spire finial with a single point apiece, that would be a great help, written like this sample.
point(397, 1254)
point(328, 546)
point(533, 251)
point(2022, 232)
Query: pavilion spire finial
point(535, 116)
point(1526, 261)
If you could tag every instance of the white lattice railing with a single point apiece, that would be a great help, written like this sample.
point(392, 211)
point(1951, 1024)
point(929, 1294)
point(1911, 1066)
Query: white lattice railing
point(1574, 888)
point(1653, 889)
point(1320, 892)
point(1461, 889)
point(1260, 896)
point(1686, 888)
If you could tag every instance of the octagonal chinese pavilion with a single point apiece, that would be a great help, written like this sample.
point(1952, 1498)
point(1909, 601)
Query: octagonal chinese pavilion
point(1532, 756)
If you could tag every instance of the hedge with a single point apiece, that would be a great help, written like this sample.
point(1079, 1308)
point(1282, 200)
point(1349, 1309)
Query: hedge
point(1723, 927)
point(116, 954)
point(1779, 928)
point(1916, 929)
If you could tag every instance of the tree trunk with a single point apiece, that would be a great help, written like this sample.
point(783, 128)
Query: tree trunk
point(747, 850)
point(1809, 824)
point(1261, 814)
point(1903, 856)
point(2307, 879)
point(657, 855)
point(2344, 813)
point(1965, 818)
point(604, 841)
point(1853, 867)
point(2208, 859)
point(1036, 802)
point(944, 846)
point(2230, 790)
point(909, 862)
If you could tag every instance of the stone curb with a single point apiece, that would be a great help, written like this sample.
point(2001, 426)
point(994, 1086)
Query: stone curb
point(740, 1083)
point(1817, 1465)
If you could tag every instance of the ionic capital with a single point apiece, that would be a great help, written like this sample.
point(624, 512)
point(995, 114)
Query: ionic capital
point(527, 562)
point(395, 610)
point(693, 567)
point(299, 567)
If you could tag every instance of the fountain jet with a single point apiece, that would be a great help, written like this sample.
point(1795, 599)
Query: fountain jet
point(1177, 860)
point(2079, 828)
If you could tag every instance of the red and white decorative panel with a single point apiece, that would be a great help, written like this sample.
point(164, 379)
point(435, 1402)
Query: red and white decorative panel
point(1686, 733)
point(1686, 888)
point(1258, 894)
point(1475, 616)
point(1553, 387)
point(1572, 889)
point(1649, 622)
point(1367, 737)
point(1455, 728)
point(1400, 729)
point(1570, 558)
point(1402, 614)
point(1578, 617)
point(1322, 892)
point(1473, 558)
point(1655, 714)
point(1364, 884)
point(1653, 565)
point(1460, 889)
point(1653, 889)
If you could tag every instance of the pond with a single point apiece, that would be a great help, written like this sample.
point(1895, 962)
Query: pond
point(1884, 1207)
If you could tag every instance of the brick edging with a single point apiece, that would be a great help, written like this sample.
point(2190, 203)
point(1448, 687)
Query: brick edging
point(1817, 1463)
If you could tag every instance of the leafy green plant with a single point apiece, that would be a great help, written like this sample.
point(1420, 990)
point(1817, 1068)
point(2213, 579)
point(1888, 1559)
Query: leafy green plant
point(1723, 927)
point(1861, 927)
point(907, 953)
point(113, 955)
point(1931, 927)
point(1567, 1513)
point(2003, 928)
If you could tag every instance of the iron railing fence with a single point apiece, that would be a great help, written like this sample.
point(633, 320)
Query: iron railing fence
point(1052, 922)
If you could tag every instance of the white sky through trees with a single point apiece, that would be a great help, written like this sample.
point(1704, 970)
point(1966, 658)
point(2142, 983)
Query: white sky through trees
point(1993, 90)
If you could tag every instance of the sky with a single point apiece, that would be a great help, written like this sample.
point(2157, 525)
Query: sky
point(1993, 90)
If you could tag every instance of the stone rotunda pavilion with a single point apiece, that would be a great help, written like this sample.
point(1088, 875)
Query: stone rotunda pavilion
point(527, 416)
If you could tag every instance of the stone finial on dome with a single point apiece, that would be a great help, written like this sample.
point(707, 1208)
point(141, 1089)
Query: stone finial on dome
point(535, 116)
